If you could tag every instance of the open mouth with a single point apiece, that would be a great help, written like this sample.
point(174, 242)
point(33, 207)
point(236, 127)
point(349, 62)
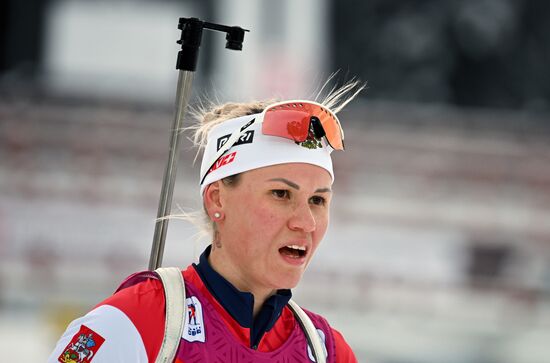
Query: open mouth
point(293, 251)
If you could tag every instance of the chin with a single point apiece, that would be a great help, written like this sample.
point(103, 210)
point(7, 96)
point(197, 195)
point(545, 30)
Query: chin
point(290, 282)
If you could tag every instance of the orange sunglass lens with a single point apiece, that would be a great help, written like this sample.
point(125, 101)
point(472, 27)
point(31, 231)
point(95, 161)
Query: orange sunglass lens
point(332, 131)
point(292, 121)
point(288, 123)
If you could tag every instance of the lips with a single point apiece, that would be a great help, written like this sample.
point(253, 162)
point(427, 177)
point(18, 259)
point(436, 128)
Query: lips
point(293, 251)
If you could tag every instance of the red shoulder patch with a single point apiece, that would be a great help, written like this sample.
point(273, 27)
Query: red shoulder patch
point(83, 347)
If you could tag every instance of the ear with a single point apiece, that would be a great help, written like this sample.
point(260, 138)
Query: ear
point(212, 199)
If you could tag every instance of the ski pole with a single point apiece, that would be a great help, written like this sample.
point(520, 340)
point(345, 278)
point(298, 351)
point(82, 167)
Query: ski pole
point(191, 36)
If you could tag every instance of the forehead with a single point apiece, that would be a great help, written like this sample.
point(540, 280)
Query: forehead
point(299, 173)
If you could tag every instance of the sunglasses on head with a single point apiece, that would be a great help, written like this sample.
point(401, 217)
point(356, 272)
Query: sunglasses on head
point(295, 120)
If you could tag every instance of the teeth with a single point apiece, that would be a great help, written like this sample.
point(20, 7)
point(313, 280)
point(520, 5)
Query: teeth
point(295, 247)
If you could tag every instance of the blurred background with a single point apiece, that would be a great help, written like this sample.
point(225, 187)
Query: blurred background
point(439, 244)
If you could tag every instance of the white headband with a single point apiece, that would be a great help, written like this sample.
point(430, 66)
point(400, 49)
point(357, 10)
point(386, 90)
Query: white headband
point(255, 150)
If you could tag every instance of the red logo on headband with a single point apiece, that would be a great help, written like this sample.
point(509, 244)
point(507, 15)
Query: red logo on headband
point(224, 160)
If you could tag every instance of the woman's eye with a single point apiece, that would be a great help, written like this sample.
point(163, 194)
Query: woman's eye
point(318, 200)
point(280, 193)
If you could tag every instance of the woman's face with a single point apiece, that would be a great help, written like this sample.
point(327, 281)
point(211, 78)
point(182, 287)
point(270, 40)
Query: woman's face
point(275, 218)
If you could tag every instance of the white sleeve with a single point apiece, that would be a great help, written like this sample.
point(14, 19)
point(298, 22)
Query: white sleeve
point(123, 343)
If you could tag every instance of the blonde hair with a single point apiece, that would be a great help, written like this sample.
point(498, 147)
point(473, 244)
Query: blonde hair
point(208, 116)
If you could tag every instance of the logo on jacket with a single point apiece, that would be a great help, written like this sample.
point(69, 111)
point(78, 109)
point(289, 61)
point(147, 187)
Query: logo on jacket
point(193, 330)
point(82, 347)
point(323, 338)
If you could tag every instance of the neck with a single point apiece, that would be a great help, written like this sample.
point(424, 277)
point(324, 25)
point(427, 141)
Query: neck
point(233, 274)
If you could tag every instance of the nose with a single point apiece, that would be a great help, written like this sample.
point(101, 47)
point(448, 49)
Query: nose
point(302, 219)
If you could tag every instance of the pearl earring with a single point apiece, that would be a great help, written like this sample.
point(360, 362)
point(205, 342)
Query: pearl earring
point(217, 215)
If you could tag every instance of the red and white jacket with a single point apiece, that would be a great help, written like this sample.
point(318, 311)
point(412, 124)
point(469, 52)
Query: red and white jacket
point(129, 327)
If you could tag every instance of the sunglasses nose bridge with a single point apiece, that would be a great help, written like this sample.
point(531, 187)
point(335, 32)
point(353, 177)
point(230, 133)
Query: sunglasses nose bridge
point(317, 126)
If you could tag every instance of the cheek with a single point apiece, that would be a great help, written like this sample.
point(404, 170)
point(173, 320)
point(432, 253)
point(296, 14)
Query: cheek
point(264, 216)
point(321, 228)
point(254, 219)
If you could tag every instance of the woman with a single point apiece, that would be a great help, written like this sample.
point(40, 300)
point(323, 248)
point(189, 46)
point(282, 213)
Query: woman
point(265, 180)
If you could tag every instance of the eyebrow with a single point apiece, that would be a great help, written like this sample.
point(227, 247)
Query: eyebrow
point(297, 187)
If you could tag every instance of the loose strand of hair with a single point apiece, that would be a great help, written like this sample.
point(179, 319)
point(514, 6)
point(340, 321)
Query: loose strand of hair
point(338, 98)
